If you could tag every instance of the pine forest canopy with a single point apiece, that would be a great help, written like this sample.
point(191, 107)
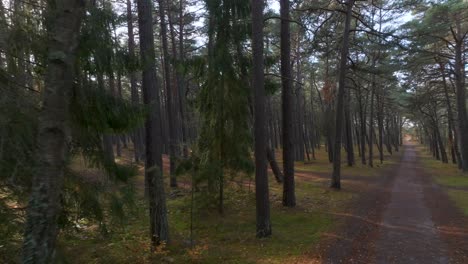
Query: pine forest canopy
point(110, 107)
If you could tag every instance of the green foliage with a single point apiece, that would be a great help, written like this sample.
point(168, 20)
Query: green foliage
point(109, 113)
point(18, 129)
point(89, 197)
point(225, 140)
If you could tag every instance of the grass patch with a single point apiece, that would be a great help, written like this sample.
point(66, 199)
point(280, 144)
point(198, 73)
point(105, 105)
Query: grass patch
point(222, 239)
point(461, 199)
point(448, 176)
point(218, 239)
point(322, 165)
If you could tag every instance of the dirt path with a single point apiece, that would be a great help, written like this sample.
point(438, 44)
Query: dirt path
point(407, 233)
point(402, 218)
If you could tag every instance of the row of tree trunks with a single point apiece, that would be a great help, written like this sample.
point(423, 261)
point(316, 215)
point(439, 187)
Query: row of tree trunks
point(170, 96)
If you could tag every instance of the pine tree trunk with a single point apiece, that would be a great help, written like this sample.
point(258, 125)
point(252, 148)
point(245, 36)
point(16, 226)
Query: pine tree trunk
point(177, 88)
point(137, 135)
point(274, 165)
point(289, 195)
point(380, 109)
point(349, 131)
point(44, 205)
point(461, 97)
point(171, 113)
point(258, 84)
point(336, 177)
point(371, 123)
point(159, 229)
point(362, 122)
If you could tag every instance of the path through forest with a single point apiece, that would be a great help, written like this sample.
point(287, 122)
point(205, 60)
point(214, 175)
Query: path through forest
point(404, 218)
point(407, 233)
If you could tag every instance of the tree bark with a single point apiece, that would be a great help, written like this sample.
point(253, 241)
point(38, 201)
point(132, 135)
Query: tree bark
point(380, 109)
point(461, 97)
point(44, 206)
point(349, 131)
point(336, 176)
point(371, 122)
point(171, 113)
point(258, 84)
point(289, 196)
point(137, 135)
point(274, 165)
point(159, 230)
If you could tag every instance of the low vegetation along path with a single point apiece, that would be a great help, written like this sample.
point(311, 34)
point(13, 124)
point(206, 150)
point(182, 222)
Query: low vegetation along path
point(405, 218)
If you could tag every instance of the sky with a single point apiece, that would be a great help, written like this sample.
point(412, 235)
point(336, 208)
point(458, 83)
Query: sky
point(275, 6)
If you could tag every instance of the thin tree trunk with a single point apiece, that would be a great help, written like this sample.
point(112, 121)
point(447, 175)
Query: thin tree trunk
point(137, 135)
point(443, 153)
point(274, 165)
point(380, 109)
point(349, 131)
point(371, 123)
point(171, 113)
point(181, 138)
point(362, 121)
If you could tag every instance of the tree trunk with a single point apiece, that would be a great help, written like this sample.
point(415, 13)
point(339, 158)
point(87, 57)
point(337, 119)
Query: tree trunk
point(443, 153)
point(171, 113)
point(159, 229)
point(258, 84)
point(44, 206)
point(182, 81)
point(137, 135)
point(274, 165)
point(289, 196)
point(349, 131)
point(452, 143)
point(362, 121)
point(371, 123)
point(461, 98)
point(336, 177)
point(380, 109)
point(177, 88)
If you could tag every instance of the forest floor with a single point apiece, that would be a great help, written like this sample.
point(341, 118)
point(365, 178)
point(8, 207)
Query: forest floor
point(416, 212)
point(410, 209)
point(298, 232)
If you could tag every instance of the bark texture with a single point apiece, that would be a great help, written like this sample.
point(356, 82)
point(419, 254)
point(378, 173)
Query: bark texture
point(44, 206)
point(258, 84)
point(336, 181)
point(289, 196)
point(159, 229)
